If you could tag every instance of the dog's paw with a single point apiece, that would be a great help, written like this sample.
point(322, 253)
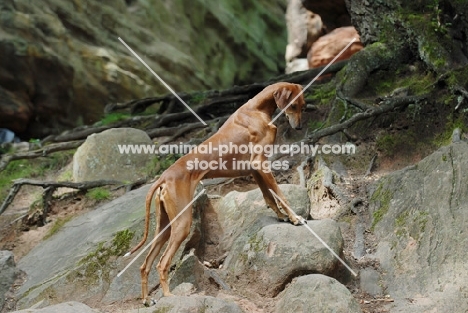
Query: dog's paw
point(283, 218)
point(149, 302)
point(300, 221)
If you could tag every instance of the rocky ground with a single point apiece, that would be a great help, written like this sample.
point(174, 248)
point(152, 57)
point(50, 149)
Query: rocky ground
point(383, 223)
point(21, 240)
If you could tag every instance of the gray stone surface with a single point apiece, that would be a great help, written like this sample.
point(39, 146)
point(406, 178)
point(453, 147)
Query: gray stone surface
point(369, 281)
point(238, 211)
point(99, 156)
point(8, 274)
point(270, 253)
point(420, 218)
point(316, 293)
point(195, 303)
point(81, 261)
point(62, 61)
point(66, 307)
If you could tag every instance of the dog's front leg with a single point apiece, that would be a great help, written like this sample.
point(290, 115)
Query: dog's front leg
point(266, 181)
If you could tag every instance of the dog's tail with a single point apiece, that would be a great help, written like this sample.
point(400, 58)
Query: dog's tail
point(149, 197)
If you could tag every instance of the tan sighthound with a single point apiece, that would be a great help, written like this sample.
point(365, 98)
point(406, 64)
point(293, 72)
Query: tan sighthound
point(176, 186)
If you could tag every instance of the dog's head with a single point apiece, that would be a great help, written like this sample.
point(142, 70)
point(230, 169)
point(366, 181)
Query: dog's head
point(284, 97)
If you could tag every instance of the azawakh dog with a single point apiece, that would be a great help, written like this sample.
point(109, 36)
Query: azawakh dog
point(176, 186)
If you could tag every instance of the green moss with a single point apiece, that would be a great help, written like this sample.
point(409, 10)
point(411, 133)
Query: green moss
point(384, 82)
point(57, 226)
point(165, 161)
point(115, 117)
point(431, 36)
point(255, 243)
point(412, 223)
point(401, 220)
point(197, 98)
point(98, 264)
point(323, 94)
point(397, 144)
point(49, 294)
point(314, 125)
point(65, 176)
point(31, 169)
point(160, 163)
point(382, 196)
point(98, 194)
point(458, 76)
point(386, 144)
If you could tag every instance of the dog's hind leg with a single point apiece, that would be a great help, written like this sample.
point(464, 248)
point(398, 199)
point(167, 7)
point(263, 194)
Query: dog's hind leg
point(162, 222)
point(180, 229)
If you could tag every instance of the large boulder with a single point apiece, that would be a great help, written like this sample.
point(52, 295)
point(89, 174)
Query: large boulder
point(420, 216)
point(316, 293)
point(81, 261)
point(195, 303)
point(269, 254)
point(8, 274)
point(99, 156)
point(327, 47)
point(61, 61)
point(304, 27)
point(239, 211)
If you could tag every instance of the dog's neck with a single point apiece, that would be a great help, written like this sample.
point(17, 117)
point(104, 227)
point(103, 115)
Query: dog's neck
point(264, 102)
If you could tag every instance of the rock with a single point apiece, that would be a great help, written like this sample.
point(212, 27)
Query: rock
point(323, 201)
point(67, 307)
point(370, 282)
point(238, 211)
point(304, 28)
point(195, 303)
point(7, 136)
point(297, 65)
point(99, 156)
point(62, 61)
point(8, 274)
point(316, 293)
point(269, 254)
point(456, 135)
point(81, 261)
point(420, 215)
point(184, 289)
point(188, 270)
point(329, 46)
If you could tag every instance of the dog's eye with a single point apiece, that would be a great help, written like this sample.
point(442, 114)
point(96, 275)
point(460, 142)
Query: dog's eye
point(293, 106)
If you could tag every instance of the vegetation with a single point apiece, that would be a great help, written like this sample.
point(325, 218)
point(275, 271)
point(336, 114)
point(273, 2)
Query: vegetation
point(382, 197)
point(97, 264)
point(322, 94)
point(160, 163)
point(32, 169)
point(98, 194)
point(58, 224)
point(114, 117)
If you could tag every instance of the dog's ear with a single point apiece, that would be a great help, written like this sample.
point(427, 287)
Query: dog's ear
point(282, 96)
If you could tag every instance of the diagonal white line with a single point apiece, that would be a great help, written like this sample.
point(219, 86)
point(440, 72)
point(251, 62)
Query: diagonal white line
point(161, 80)
point(301, 219)
point(160, 233)
point(313, 80)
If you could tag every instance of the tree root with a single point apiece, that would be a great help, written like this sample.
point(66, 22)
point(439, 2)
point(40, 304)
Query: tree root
point(50, 187)
point(384, 106)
